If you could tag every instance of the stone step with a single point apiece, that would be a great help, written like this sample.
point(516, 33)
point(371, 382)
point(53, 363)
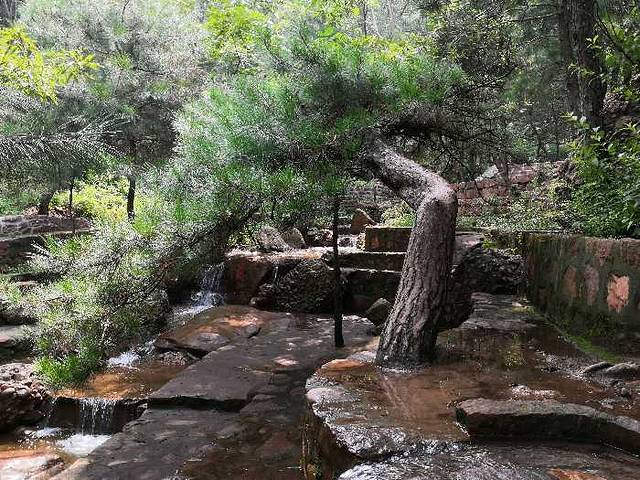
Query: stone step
point(368, 260)
point(13, 341)
point(381, 238)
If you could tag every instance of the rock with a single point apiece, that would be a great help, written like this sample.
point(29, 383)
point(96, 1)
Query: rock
point(573, 475)
point(547, 420)
point(23, 398)
point(269, 240)
point(626, 371)
point(243, 275)
point(153, 447)
point(307, 288)
point(379, 311)
point(14, 315)
point(596, 367)
point(320, 238)
point(29, 465)
point(360, 221)
point(492, 271)
point(294, 238)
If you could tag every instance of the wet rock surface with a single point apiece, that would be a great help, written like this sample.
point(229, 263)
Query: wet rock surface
point(236, 413)
point(547, 419)
point(501, 462)
point(367, 422)
point(23, 398)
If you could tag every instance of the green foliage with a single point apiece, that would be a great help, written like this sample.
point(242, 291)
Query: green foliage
point(400, 215)
point(607, 159)
point(37, 73)
point(608, 164)
point(309, 92)
point(99, 197)
point(544, 206)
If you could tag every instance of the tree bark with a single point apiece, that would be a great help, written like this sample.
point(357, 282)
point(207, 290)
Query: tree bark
point(337, 287)
point(568, 58)
point(44, 202)
point(585, 88)
point(410, 333)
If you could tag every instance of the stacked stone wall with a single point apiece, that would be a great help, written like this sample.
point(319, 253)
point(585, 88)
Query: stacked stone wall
point(590, 286)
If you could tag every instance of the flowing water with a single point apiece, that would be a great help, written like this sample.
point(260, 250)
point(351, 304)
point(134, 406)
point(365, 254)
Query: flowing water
point(96, 415)
point(210, 294)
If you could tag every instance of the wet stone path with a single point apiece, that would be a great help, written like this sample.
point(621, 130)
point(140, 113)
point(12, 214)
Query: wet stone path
point(236, 413)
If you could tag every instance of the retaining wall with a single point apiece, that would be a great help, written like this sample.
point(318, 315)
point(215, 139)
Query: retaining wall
point(589, 286)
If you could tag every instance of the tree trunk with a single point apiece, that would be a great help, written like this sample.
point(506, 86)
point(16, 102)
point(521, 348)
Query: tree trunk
point(44, 202)
point(131, 198)
point(410, 333)
point(585, 89)
point(568, 58)
point(592, 89)
point(337, 287)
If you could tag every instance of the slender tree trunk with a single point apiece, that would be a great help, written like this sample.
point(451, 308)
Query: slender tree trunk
point(410, 333)
point(131, 198)
point(44, 202)
point(337, 287)
point(71, 213)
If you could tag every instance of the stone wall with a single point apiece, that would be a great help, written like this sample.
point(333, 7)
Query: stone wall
point(590, 286)
point(20, 233)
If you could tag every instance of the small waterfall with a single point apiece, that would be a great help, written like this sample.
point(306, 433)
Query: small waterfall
point(210, 294)
point(96, 415)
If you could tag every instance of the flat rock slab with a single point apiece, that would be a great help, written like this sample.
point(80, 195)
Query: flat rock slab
point(215, 328)
point(154, 447)
point(29, 465)
point(548, 419)
point(230, 376)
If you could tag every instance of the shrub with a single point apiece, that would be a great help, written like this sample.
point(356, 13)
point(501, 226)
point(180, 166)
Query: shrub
point(608, 165)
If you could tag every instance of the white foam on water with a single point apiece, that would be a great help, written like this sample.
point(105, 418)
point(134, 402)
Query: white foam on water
point(81, 445)
point(125, 359)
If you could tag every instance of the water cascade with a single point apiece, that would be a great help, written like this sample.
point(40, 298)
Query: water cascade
point(96, 415)
point(210, 294)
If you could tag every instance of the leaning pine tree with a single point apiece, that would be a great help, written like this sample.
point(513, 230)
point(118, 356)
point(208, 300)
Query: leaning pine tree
point(309, 84)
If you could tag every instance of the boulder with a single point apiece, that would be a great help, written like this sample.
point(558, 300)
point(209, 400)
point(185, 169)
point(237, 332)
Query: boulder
point(307, 288)
point(360, 221)
point(294, 238)
point(269, 240)
point(379, 311)
point(23, 398)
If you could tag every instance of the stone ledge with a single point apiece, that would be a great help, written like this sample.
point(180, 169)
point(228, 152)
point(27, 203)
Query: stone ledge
point(547, 420)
